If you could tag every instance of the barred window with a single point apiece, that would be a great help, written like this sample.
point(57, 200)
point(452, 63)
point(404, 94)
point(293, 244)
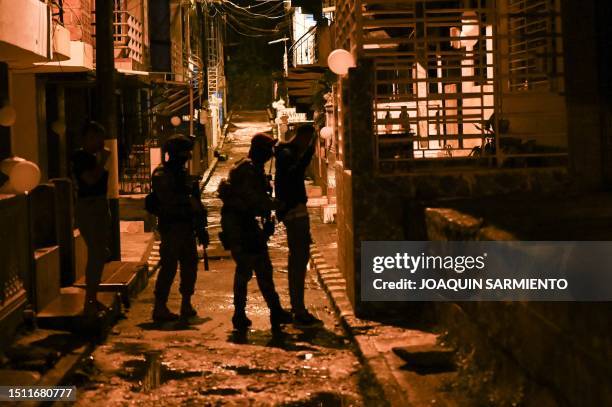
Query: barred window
point(534, 43)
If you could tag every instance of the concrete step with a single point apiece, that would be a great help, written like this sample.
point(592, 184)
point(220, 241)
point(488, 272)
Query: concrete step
point(316, 202)
point(65, 312)
point(125, 278)
point(314, 191)
point(47, 275)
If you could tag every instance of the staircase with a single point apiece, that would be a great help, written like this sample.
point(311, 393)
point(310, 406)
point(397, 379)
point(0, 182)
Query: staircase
point(59, 256)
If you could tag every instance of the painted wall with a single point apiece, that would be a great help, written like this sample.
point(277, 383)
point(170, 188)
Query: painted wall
point(27, 98)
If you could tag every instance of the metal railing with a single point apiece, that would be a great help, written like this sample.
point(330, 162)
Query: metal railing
point(57, 8)
point(479, 85)
point(305, 50)
point(136, 170)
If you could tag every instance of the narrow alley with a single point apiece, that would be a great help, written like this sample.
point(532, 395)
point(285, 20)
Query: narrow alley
point(202, 363)
point(454, 158)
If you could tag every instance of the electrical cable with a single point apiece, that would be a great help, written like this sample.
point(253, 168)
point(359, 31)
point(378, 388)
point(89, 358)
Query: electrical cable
point(248, 27)
point(251, 14)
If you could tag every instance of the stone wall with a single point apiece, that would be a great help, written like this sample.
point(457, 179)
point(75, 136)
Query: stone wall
point(393, 208)
point(544, 353)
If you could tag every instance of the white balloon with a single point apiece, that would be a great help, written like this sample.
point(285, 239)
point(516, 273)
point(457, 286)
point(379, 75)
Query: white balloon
point(340, 60)
point(8, 115)
point(327, 132)
point(175, 121)
point(23, 175)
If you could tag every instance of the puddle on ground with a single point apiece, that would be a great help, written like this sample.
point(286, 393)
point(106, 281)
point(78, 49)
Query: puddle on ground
point(322, 398)
point(220, 391)
point(249, 370)
point(151, 372)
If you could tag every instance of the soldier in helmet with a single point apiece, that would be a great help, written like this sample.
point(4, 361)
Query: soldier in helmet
point(181, 218)
point(245, 203)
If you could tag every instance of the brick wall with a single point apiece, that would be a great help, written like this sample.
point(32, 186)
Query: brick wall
point(77, 19)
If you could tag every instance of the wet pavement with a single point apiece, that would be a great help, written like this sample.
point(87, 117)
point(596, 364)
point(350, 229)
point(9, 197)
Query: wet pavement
point(202, 362)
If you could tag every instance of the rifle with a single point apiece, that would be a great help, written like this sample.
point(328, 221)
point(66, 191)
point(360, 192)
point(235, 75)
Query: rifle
point(269, 220)
point(200, 224)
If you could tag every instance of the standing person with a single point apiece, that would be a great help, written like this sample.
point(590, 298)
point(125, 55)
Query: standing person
point(292, 159)
point(245, 203)
point(181, 218)
point(92, 210)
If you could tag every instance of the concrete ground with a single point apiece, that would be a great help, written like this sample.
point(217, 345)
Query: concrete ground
point(202, 362)
point(380, 342)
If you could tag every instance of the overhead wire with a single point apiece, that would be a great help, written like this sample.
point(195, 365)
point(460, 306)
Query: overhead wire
point(248, 12)
point(240, 19)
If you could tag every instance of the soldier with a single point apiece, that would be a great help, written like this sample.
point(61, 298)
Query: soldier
point(245, 202)
point(181, 218)
point(292, 159)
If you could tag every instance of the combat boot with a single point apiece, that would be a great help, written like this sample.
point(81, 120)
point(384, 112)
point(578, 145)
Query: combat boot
point(187, 310)
point(161, 313)
point(240, 321)
point(280, 317)
point(305, 319)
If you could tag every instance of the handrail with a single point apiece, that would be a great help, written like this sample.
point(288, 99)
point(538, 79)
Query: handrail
point(313, 28)
point(297, 51)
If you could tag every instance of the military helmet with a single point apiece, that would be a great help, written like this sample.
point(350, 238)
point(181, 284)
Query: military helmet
point(177, 143)
point(262, 141)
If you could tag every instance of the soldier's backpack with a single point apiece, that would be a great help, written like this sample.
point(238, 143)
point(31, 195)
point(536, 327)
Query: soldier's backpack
point(224, 191)
point(152, 203)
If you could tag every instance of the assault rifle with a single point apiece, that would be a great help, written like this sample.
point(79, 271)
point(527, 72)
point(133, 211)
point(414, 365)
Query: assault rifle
point(200, 222)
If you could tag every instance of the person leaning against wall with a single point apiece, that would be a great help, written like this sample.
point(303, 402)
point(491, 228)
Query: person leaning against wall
point(92, 209)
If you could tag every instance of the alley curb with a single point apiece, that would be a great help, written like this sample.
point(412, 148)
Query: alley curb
point(334, 285)
point(211, 168)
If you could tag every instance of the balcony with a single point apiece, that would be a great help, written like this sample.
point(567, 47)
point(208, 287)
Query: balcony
point(81, 60)
point(128, 41)
point(25, 32)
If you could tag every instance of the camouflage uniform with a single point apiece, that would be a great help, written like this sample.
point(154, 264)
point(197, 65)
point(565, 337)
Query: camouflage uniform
point(244, 235)
point(245, 202)
point(179, 210)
